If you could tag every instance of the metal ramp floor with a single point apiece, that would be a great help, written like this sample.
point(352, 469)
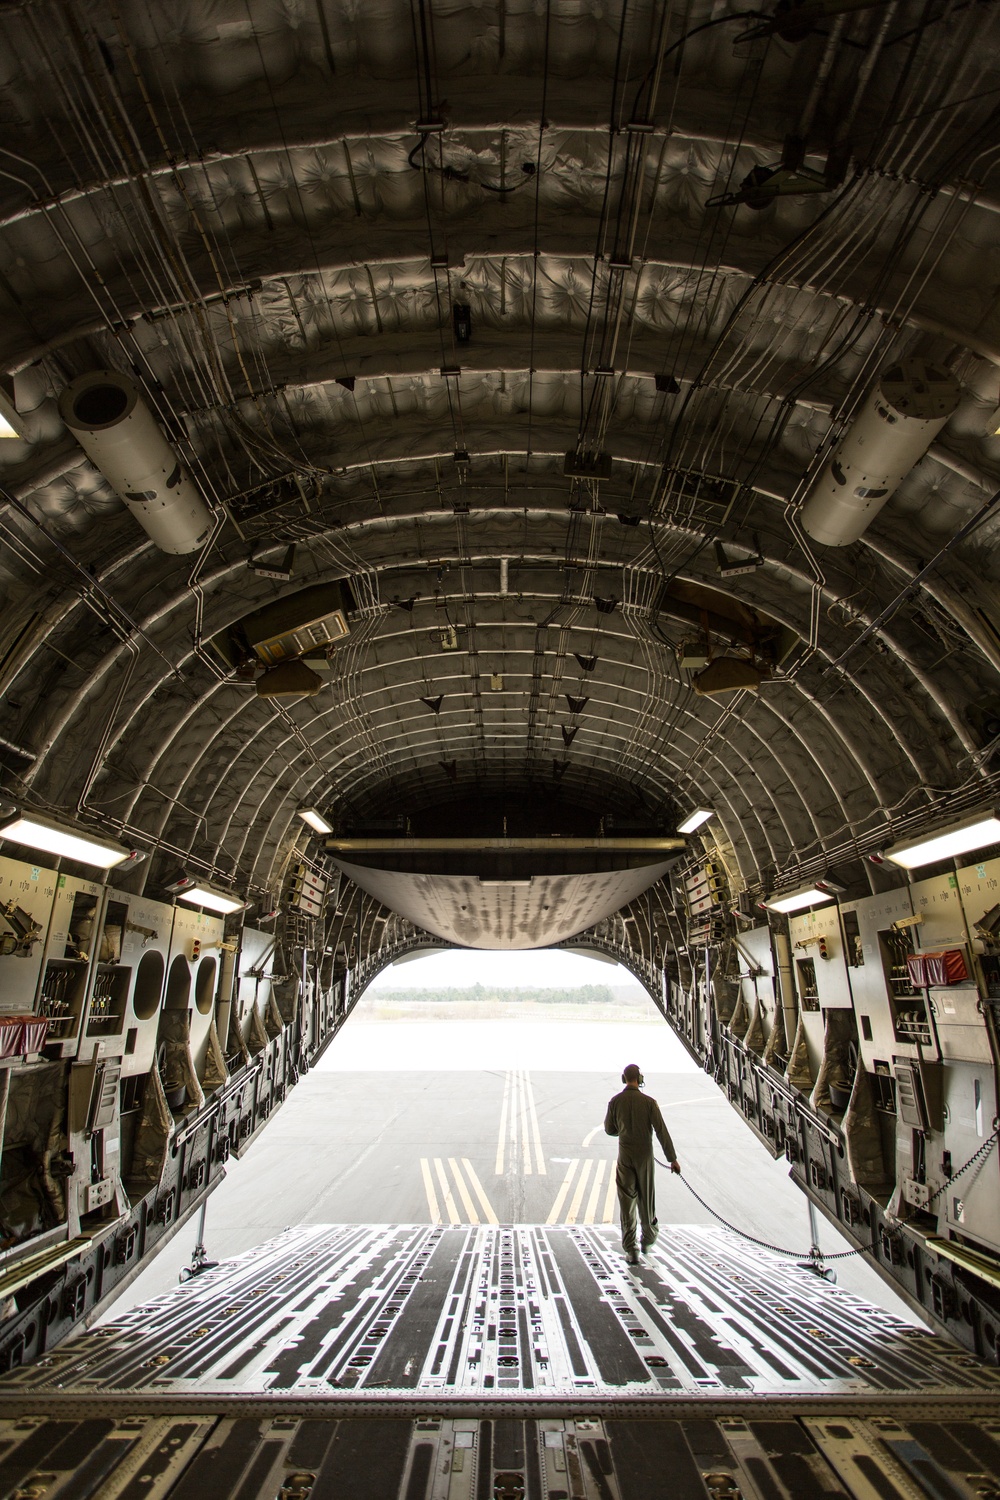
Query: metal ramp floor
point(502, 1363)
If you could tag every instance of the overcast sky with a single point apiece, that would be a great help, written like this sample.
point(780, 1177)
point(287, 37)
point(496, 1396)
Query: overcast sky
point(460, 967)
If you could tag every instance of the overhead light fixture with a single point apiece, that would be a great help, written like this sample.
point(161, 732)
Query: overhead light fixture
point(798, 900)
point(289, 679)
point(11, 425)
point(37, 832)
point(961, 838)
point(315, 819)
point(693, 655)
point(729, 674)
point(212, 900)
point(695, 819)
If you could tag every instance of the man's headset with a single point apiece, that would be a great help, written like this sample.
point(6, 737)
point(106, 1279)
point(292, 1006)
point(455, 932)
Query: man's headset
point(640, 1080)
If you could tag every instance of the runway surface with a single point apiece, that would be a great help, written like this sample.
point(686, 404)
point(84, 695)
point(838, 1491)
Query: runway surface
point(470, 1134)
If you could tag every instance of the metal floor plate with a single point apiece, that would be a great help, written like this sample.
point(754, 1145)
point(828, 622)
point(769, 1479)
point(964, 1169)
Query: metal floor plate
point(440, 1458)
point(523, 1311)
point(519, 1363)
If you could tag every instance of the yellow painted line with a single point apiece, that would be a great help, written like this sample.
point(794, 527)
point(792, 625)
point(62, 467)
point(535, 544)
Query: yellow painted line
point(502, 1137)
point(536, 1133)
point(470, 1207)
point(557, 1206)
point(611, 1201)
point(574, 1208)
point(590, 1215)
point(525, 1137)
point(432, 1203)
point(512, 1117)
point(477, 1188)
point(449, 1201)
point(590, 1136)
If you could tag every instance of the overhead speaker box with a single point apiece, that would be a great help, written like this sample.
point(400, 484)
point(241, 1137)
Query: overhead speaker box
point(728, 674)
point(289, 679)
point(302, 623)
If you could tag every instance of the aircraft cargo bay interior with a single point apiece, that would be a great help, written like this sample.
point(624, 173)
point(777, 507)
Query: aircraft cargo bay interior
point(501, 478)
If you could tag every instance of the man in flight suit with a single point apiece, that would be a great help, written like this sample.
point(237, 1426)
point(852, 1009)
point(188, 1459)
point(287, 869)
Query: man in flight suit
point(633, 1117)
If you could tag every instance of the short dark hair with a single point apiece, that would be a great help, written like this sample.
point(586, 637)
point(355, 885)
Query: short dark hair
point(632, 1073)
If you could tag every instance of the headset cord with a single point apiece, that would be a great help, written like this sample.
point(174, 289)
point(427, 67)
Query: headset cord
point(983, 1151)
point(803, 1255)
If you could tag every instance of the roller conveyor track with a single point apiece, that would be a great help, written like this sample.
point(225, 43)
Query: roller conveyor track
point(509, 1363)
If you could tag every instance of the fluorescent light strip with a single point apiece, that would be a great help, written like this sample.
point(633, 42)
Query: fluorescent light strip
point(11, 425)
point(695, 819)
point(49, 838)
point(798, 900)
point(947, 843)
point(202, 895)
point(315, 820)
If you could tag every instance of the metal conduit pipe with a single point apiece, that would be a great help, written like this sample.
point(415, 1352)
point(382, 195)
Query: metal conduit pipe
point(947, 713)
point(278, 835)
point(876, 702)
point(574, 99)
point(351, 789)
point(284, 833)
point(952, 805)
point(731, 777)
point(164, 748)
point(387, 371)
point(811, 760)
point(917, 580)
point(334, 731)
point(448, 559)
point(176, 604)
point(152, 690)
point(786, 773)
point(779, 800)
point(885, 712)
point(822, 74)
point(956, 464)
point(840, 734)
point(98, 759)
point(878, 798)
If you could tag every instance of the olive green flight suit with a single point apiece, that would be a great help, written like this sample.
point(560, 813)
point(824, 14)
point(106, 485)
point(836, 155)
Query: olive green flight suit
point(633, 1117)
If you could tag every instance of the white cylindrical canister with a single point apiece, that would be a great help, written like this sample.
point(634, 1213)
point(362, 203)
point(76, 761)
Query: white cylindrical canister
point(119, 434)
point(897, 424)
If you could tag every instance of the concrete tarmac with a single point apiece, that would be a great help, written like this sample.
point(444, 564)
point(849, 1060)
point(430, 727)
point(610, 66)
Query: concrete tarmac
point(455, 1122)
